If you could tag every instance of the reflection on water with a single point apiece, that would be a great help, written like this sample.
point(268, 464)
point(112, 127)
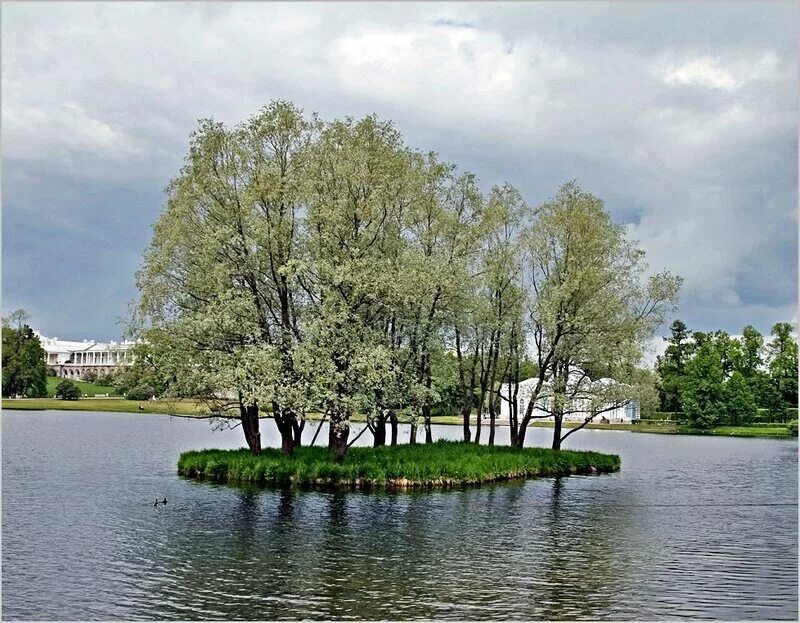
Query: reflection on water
point(691, 527)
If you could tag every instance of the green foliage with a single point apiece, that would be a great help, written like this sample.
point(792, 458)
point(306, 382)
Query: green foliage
point(304, 264)
point(444, 463)
point(792, 426)
point(748, 377)
point(740, 405)
point(67, 390)
point(783, 362)
point(86, 389)
point(90, 377)
point(145, 371)
point(671, 366)
point(140, 392)
point(24, 369)
point(702, 392)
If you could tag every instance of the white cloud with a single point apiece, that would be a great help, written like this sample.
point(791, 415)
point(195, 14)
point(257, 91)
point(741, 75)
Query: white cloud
point(704, 72)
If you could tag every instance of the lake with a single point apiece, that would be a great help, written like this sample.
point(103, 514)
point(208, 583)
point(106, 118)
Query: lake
point(691, 527)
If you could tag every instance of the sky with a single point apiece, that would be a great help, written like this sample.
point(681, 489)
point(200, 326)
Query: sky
point(682, 117)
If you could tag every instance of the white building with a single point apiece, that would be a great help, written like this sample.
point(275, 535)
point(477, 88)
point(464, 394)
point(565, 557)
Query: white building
point(73, 360)
point(579, 408)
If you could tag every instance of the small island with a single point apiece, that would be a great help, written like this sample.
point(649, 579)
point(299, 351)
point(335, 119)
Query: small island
point(443, 464)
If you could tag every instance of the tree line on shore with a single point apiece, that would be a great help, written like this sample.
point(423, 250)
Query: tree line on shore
point(717, 379)
point(301, 264)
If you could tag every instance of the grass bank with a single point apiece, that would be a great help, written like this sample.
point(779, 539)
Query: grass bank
point(193, 408)
point(120, 405)
point(440, 464)
point(88, 389)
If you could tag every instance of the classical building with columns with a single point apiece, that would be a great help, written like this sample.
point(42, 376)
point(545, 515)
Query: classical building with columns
point(73, 360)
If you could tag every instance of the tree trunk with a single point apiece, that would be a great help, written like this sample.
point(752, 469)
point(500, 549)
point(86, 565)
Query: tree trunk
point(393, 422)
point(557, 431)
point(379, 432)
point(479, 416)
point(283, 420)
point(492, 418)
point(412, 437)
point(465, 412)
point(250, 426)
point(338, 432)
point(518, 436)
point(426, 416)
point(297, 430)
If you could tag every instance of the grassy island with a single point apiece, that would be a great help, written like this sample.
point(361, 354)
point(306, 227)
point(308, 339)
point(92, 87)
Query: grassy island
point(441, 464)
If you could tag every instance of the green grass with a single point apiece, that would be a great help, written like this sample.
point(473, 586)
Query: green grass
point(440, 464)
point(117, 405)
point(779, 430)
point(90, 389)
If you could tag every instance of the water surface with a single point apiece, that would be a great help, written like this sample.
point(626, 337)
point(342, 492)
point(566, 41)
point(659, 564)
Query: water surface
point(692, 527)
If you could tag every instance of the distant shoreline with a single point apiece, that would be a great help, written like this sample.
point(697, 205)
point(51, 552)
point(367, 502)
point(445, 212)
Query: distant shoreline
point(190, 408)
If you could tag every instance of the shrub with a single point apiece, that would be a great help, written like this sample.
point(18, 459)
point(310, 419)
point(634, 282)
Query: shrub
point(90, 377)
point(792, 426)
point(67, 390)
point(109, 379)
point(142, 392)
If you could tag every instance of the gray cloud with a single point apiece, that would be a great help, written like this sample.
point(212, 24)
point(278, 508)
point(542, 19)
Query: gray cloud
point(682, 116)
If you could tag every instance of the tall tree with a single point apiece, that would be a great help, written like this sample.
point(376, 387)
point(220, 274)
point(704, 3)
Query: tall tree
point(671, 366)
point(740, 404)
point(591, 301)
point(24, 369)
point(703, 393)
point(751, 360)
point(361, 182)
point(782, 358)
point(220, 298)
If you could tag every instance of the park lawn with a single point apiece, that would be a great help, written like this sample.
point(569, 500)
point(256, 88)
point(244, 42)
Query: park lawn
point(779, 430)
point(439, 464)
point(118, 405)
point(89, 389)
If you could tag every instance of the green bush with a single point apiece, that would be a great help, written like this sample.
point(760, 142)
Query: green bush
point(142, 392)
point(792, 426)
point(67, 390)
point(90, 377)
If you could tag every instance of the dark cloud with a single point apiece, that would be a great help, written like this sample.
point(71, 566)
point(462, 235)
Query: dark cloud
point(681, 116)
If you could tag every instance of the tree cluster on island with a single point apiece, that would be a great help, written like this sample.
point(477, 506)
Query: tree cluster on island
point(715, 379)
point(302, 265)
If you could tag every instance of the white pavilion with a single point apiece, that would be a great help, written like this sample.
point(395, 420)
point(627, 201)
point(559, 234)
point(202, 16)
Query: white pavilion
point(74, 360)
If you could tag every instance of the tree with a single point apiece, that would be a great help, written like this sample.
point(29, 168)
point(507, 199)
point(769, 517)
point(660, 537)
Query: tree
point(671, 366)
point(361, 182)
point(740, 404)
point(220, 295)
point(730, 351)
point(782, 358)
point(702, 392)
point(591, 303)
point(67, 390)
point(751, 360)
point(24, 367)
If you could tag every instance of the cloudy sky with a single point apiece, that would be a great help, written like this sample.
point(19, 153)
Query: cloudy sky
point(682, 117)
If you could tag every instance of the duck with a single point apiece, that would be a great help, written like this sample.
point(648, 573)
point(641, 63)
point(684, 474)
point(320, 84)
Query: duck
point(165, 501)
point(155, 503)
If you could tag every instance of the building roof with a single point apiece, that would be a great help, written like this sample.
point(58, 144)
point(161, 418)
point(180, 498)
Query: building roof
point(53, 344)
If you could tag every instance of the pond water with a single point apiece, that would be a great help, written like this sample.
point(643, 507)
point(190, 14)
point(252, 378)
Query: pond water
point(692, 527)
